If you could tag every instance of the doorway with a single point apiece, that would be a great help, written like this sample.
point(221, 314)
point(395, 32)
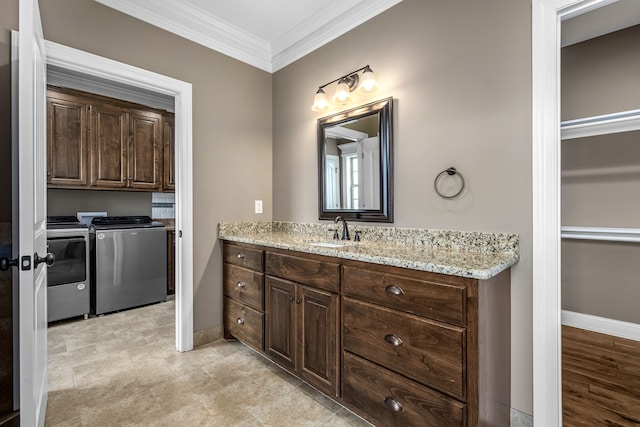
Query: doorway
point(76, 61)
point(546, 30)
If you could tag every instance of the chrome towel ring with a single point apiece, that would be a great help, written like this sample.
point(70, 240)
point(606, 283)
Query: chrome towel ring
point(449, 172)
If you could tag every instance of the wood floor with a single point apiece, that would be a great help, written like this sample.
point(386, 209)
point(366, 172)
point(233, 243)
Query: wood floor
point(600, 379)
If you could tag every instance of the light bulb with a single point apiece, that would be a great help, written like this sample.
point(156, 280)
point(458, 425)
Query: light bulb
point(320, 101)
point(342, 92)
point(368, 83)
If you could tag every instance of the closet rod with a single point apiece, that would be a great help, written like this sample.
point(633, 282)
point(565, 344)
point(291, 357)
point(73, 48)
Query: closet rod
point(599, 125)
point(601, 233)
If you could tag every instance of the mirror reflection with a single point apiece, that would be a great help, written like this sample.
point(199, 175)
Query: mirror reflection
point(355, 163)
point(352, 164)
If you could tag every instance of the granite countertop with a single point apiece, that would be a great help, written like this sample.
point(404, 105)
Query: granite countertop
point(465, 254)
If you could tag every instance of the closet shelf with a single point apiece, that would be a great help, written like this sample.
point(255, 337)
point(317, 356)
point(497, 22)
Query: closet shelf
point(600, 125)
point(601, 233)
point(611, 171)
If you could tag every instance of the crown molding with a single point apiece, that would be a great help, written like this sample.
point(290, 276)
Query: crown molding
point(300, 41)
point(199, 27)
point(202, 28)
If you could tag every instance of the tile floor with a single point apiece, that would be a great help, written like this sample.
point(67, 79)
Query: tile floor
point(122, 369)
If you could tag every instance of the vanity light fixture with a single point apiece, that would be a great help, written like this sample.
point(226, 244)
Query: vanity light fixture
point(346, 84)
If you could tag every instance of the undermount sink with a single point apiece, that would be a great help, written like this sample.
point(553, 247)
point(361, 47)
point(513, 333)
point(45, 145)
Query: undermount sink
point(328, 245)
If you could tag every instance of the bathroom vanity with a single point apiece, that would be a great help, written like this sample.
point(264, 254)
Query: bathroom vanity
point(385, 327)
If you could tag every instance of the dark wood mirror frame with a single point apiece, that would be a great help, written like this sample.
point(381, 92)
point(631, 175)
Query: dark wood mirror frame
point(384, 109)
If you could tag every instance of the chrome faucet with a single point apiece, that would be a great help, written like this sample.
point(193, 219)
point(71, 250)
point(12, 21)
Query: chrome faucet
point(345, 229)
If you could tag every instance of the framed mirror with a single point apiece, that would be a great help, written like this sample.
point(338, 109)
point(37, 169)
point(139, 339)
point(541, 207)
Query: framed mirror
point(355, 163)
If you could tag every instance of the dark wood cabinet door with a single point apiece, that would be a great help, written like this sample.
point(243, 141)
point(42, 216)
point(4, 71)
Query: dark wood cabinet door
point(169, 182)
point(109, 142)
point(66, 141)
point(318, 338)
point(280, 339)
point(145, 151)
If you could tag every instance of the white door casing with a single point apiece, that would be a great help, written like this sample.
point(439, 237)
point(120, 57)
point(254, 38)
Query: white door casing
point(83, 62)
point(29, 195)
point(547, 16)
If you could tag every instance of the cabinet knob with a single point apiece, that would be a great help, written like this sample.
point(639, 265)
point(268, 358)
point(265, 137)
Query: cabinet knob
point(240, 284)
point(393, 404)
point(393, 340)
point(298, 301)
point(291, 299)
point(394, 290)
point(240, 255)
point(240, 321)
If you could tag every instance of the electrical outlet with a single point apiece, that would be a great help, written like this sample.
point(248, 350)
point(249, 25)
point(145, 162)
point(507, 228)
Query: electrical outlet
point(258, 206)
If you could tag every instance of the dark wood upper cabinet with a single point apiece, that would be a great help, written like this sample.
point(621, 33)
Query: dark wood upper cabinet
point(67, 141)
point(145, 151)
point(109, 143)
point(169, 154)
point(100, 143)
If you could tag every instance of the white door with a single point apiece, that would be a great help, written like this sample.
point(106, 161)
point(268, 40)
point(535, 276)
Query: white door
point(29, 201)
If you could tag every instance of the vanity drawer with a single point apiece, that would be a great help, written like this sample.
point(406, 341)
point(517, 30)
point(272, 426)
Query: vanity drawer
point(244, 285)
point(429, 298)
point(321, 274)
point(429, 352)
point(244, 323)
point(245, 257)
point(390, 399)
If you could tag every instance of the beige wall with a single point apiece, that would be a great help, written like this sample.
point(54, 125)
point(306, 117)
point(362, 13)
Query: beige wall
point(231, 125)
point(69, 202)
point(600, 76)
point(460, 74)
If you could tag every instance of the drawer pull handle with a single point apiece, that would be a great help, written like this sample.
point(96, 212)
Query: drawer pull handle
point(240, 321)
point(394, 290)
point(393, 404)
point(240, 255)
point(240, 284)
point(393, 340)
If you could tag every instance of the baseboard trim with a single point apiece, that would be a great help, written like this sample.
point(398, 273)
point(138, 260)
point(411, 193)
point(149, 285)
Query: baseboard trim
point(520, 419)
point(206, 336)
point(601, 325)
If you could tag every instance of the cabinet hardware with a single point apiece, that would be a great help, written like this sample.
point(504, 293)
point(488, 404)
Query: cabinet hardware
point(291, 299)
point(394, 290)
point(240, 255)
point(298, 301)
point(393, 404)
point(240, 321)
point(393, 340)
point(240, 284)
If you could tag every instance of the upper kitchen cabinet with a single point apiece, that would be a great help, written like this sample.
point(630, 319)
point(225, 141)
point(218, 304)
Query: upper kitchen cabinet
point(145, 151)
point(67, 145)
point(169, 184)
point(109, 146)
point(101, 143)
